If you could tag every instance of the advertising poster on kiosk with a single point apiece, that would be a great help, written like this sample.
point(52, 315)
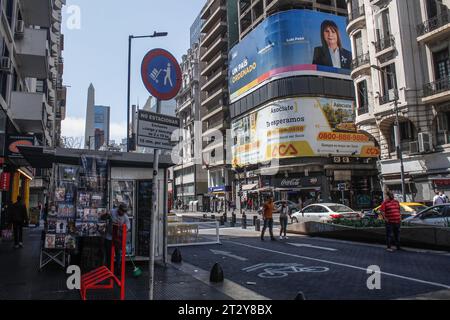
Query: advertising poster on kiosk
point(290, 43)
point(299, 127)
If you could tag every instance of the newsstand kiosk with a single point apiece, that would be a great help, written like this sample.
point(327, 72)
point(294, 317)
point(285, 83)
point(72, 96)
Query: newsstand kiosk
point(85, 185)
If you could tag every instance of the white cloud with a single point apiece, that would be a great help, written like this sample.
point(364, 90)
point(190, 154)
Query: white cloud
point(74, 127)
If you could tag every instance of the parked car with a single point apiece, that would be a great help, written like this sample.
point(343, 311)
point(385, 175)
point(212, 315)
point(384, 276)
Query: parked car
point(407, 209)
point(324, 212)
point(434, 216)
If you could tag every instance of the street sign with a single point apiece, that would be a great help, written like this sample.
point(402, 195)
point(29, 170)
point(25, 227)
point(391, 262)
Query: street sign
point(155, 130)
point(161, 74)
point(341, 186)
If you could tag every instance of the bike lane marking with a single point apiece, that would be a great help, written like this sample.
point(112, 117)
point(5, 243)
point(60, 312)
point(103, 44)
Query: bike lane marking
point(311, 246)
point(436, 284)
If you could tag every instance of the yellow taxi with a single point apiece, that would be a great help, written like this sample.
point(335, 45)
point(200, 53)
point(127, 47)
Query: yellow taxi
point(407, 209)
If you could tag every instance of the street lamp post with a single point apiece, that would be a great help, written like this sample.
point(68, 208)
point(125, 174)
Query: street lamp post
point(398, 145)
point(130, 38)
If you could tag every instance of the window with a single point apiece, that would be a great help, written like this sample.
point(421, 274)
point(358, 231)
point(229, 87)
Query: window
point(441, 64)
point(363, 99)
point(407, 133)
point(442, 128)
point(383, 25)
point(388, 76)
point(312, 209)
point(358, 44)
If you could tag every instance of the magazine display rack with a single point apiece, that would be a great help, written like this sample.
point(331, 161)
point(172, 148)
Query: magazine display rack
point(79, 200)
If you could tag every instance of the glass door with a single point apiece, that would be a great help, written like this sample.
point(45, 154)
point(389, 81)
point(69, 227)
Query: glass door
point(144, 206)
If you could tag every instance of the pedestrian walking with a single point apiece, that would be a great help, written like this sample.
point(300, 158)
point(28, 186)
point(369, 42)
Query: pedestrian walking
point(390, 209)
point(284, 213)
point(444, 197)
point(19, 218)
point(268, 218)
point(300, 204)
point(437, 200)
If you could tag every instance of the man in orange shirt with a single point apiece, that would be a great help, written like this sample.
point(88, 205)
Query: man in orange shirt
point(268, 218)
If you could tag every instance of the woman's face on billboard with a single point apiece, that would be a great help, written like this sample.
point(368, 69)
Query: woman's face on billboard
point(331, 37)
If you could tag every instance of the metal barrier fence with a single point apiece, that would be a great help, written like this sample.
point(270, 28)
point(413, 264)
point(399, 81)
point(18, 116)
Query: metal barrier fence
point(192, 233)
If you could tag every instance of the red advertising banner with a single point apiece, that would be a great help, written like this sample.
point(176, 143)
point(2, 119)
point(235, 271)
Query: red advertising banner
point(5, 179)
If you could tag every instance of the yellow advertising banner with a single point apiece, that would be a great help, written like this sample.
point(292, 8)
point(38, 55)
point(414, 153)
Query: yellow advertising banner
point(299, 127)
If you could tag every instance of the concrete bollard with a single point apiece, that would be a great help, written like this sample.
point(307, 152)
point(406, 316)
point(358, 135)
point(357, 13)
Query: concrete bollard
point(244, 221)
point(216, 274)
point(233, 219)
point(254, 220)
point(300, 296)
point(225, 217)
point(213, 217)
point(176, 256)
point(222, 222)
point(258, 225)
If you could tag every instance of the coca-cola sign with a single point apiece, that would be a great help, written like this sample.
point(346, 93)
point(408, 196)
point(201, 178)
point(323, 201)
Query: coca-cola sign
point(293, 182)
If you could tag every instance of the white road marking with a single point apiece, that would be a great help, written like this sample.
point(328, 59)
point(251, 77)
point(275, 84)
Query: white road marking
point(228, 254)
point(436, 284)
point(311, 246)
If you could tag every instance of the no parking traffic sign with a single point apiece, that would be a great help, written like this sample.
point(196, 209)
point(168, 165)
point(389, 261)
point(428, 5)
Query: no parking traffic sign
point(161, 74)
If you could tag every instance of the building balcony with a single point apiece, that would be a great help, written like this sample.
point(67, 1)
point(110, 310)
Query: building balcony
point(32, 53)
point(214, 63)
point(356, 19)
point(384, 45)
point(435, 29)
point(215, 98)
point(214, 80)
point(362, 110)
point(216, 31)
point(388, 97)
point(28, 112)
point(212, 12)
point(212, 50)
point(360, 65)
point(37, 12)
point(211, 113)
point(437, 91)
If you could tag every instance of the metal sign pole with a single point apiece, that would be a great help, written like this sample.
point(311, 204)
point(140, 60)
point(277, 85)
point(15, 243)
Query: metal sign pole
point(153, 214)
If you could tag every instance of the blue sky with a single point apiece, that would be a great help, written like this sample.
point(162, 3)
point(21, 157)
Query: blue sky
point(97, 52)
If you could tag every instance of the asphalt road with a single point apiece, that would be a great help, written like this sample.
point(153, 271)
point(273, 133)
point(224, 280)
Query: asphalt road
point(320, 268)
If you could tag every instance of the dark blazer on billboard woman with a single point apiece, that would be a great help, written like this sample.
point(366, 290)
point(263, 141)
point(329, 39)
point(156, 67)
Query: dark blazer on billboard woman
point(322, 57)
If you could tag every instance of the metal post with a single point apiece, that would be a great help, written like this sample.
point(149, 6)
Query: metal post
point(128, 92)
point(397, 142)
point(153, 214)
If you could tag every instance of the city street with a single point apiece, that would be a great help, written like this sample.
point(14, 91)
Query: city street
point(320, 268)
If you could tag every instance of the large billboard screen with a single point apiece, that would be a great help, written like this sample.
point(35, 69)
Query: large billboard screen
point(299, 127)
point(290, 43)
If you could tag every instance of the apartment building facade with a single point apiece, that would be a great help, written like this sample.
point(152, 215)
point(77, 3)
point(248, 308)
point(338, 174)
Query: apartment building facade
point(32, 97)
point(214, 101)
point(190, 179)
point(280, 75)
point(400, 72)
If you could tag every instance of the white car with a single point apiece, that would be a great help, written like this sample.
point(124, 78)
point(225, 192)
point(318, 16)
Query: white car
point(324, 212)
point(435, 216)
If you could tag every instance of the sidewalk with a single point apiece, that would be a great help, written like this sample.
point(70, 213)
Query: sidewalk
point(20, 279)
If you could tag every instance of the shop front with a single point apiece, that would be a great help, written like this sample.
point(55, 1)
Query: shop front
point(89, 183)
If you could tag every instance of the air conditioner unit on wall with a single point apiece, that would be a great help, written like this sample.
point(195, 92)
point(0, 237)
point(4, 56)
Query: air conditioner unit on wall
point(20, 29)
point(414, 147)
point(425, 142)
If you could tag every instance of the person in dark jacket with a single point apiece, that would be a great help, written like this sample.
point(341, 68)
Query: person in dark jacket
point(19, 217)
point(331, 53)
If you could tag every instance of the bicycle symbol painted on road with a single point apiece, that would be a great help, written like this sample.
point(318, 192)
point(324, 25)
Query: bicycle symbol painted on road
point(281, 270)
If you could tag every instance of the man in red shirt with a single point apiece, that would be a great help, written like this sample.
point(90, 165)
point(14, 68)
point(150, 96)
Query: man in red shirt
point(390, 209)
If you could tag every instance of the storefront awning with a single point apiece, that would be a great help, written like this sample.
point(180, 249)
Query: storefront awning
point(40, 157)
point(248, 187)
point(396, 181)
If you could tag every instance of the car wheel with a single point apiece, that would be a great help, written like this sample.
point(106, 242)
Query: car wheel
point(294, 220)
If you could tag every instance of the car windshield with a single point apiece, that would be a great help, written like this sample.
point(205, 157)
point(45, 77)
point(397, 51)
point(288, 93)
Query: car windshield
point(340, 208)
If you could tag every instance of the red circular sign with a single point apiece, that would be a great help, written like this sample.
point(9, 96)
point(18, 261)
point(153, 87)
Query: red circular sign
point(161, 74)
